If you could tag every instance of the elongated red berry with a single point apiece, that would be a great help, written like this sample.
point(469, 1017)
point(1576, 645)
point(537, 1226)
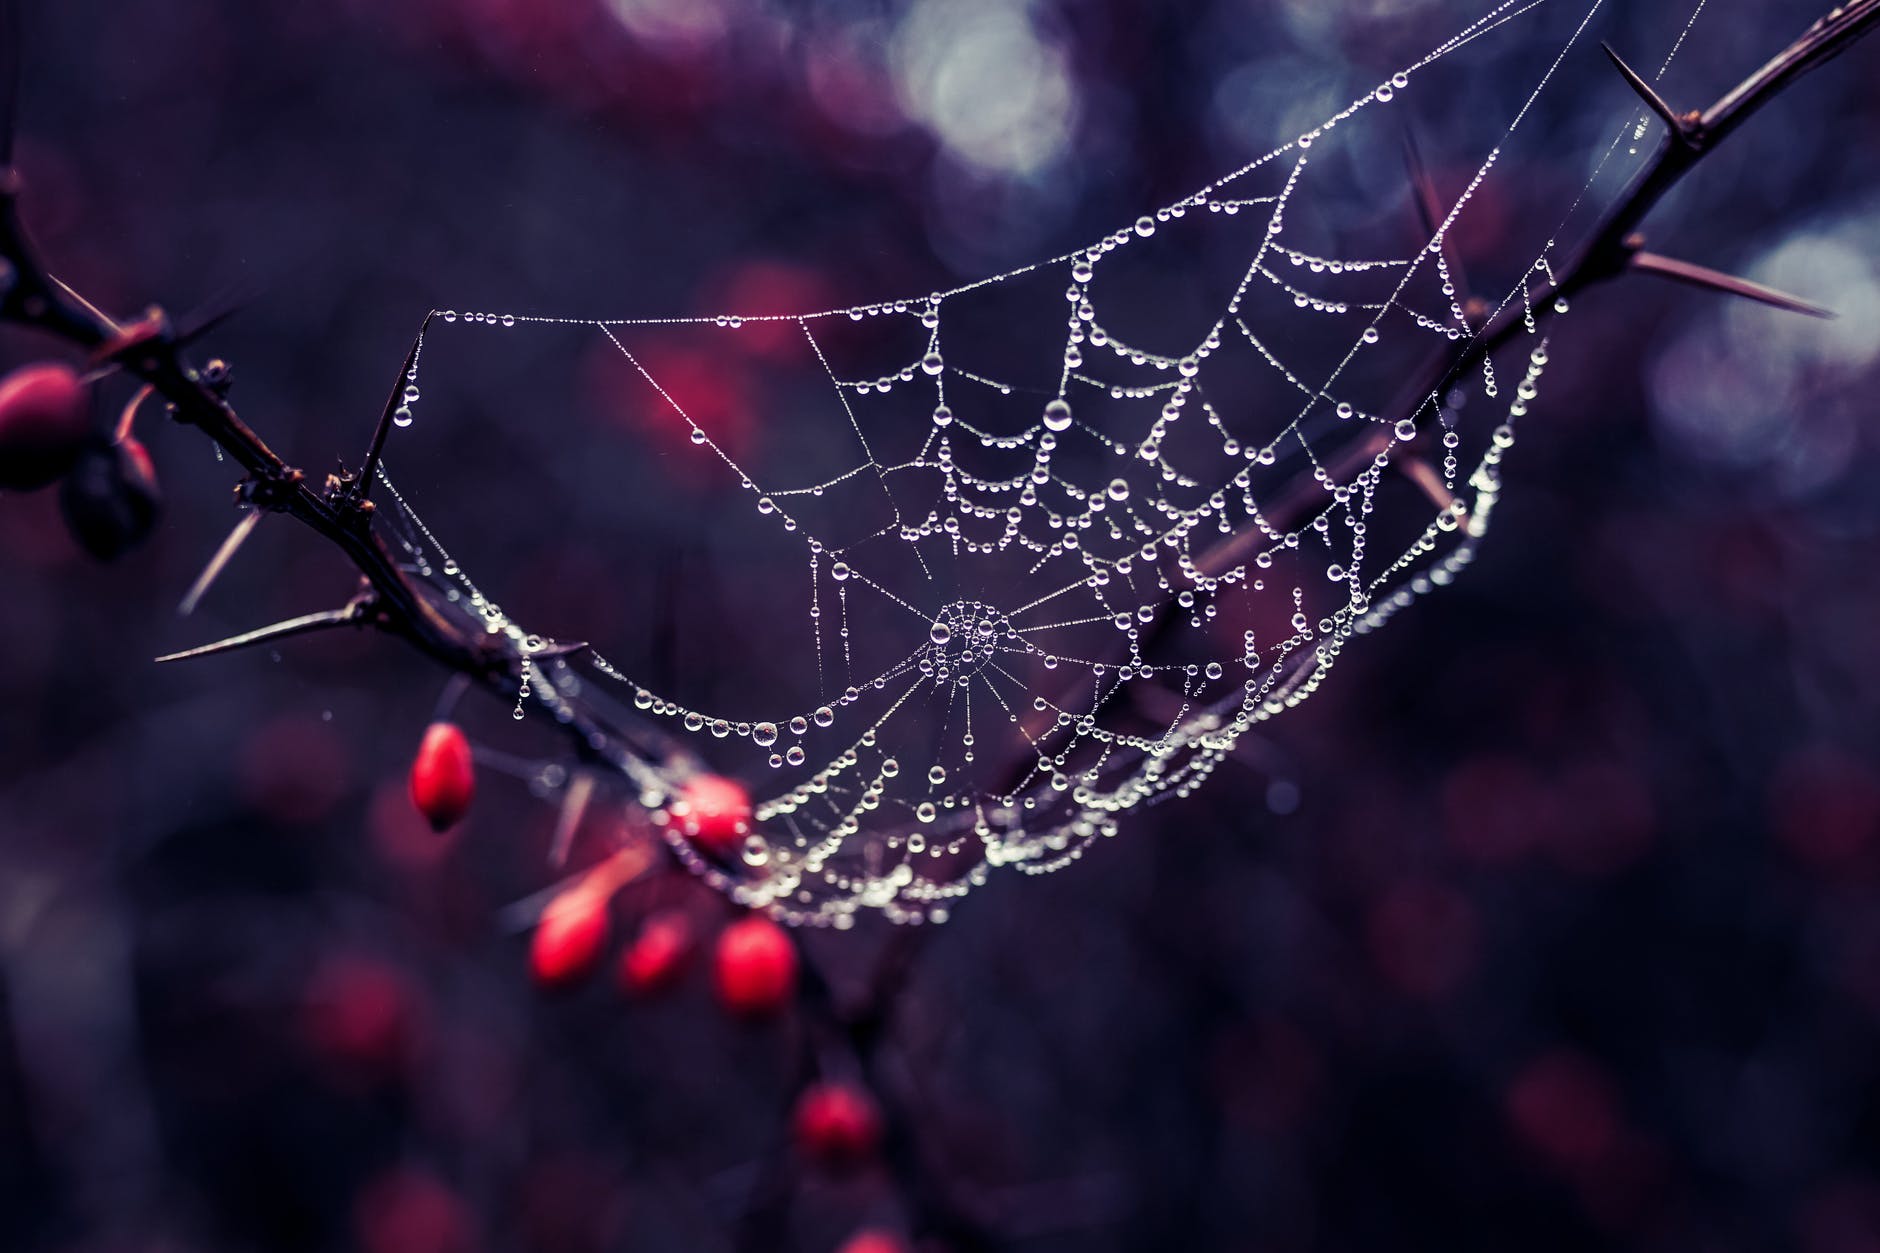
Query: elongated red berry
point(658, 953)
point(754, 967)
point(570, 937)
point(714, 812)
point(44, 424)
point(110, 497)
point(836, 1124)
point(443, 777)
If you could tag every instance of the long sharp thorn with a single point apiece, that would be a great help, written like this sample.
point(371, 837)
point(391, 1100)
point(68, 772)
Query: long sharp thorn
point(1728, 284)
point(1428, 205)
point(219, 562)
point(392, 404)
point(303, 625)
point(1653, 101)
point(574, 803)
point(1430, 211)
point(561, 648)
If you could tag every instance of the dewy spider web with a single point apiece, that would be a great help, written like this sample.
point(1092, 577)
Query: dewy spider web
point(1079, 557)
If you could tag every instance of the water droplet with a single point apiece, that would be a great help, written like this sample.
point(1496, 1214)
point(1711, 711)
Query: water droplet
point(839, 571)
point(795, 755)
point(1118, 490)
point(942, 416)
point(1057, 415)
point(932, 363)
point(765, 734)
point(941, 633)
point(1145, 226)
point(401, 416)
point(1406, 430)
point(824, 716)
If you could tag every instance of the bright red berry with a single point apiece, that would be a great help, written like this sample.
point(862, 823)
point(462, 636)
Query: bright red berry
point(836, 1124)
point(658, 953)
point(443, 777)
point(44, 425)
point(754, 967)
point(714, 812)
point(873, 1240)
point(570, 936)
point(110, 497)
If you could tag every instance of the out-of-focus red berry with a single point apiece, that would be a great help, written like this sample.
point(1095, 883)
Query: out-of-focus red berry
point(443, 777)
point(570, 936)
point(714, 812)
point(836, 1124)
point(754, 967)
point(356, 1014)
point(44, 425)
point(412, 1211)
point(873, 1240)
point(110, 497)
point(658, 953)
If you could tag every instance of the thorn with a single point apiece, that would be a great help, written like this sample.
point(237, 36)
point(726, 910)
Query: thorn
point(1430, 214)
point(1653, 101)
point(574, 803)
point(392, 405)
point(1423, 474)
point(1428, 204)
point(223, 555)
point(128, 419)
point(561, 648)
point(280, 630)
point(1728, 284)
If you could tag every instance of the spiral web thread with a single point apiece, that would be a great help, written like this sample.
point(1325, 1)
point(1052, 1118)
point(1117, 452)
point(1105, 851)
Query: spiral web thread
point(1177, 556)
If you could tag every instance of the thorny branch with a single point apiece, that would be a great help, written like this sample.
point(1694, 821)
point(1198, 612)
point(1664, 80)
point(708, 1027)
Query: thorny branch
point(339, 510)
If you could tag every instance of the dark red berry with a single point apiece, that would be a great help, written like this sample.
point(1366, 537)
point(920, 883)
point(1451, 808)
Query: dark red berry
point(658, 953)
point(570, 937)
point(754, 967)
point(836, 1124)
point(714, 812)
point(110, 497)
point(44, 425)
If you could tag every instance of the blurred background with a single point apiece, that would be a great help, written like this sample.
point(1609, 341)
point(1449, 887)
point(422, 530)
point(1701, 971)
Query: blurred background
point(1552, 922)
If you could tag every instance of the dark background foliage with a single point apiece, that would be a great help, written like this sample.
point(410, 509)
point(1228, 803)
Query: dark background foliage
point(1549, 924)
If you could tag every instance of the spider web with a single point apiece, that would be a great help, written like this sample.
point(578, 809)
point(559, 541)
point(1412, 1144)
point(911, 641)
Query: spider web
point(1067, 541)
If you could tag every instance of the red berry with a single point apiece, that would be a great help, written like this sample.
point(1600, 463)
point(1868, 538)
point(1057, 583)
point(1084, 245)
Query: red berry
point(357, 1015)
point(836, 1124)
point(44, 424)
point(658, 953)
point(714, 812)
point(443, 777)
point(570, 936)
point(110, 497)
point(873, 1240)
point(754, 967)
